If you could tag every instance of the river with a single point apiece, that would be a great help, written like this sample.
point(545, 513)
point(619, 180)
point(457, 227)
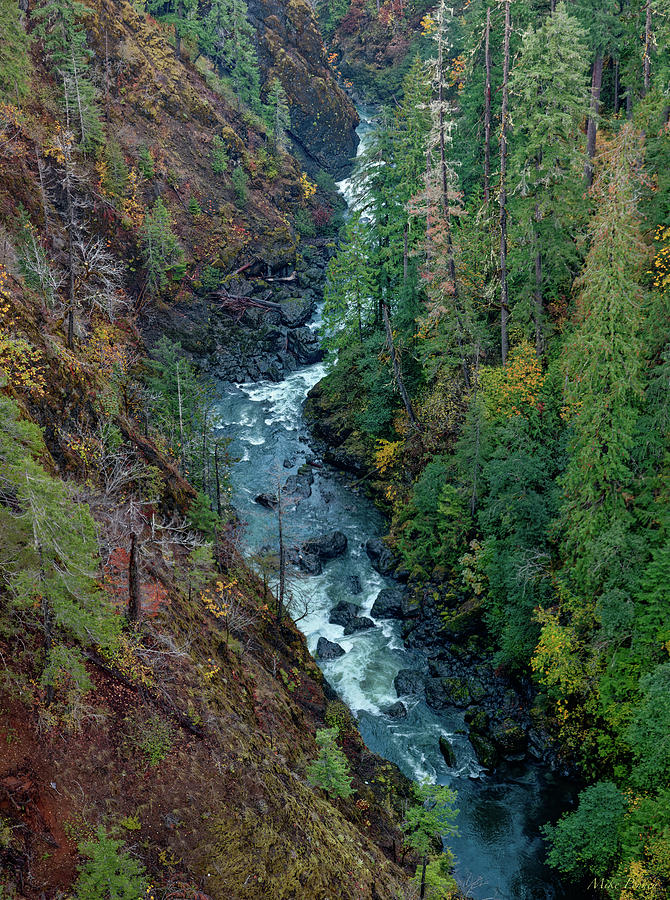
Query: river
point(498, 850)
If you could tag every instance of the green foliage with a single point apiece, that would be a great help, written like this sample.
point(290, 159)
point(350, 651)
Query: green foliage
point(276, 112)
point(49, 558)
point(163, 254)
point(145, 162)
point(194, 207)
point(229, 39)
point(15, 64)
point(219, 155)
point(587, 841)
point(59, 24)
point(240, 179)
point(432, 525)
point(431, 815)
point(202, 517)
point(330, 770)
point(649, 732)
point(304, 224)
point(110, 872)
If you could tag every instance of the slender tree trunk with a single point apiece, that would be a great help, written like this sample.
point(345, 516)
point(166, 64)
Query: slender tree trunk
point(281, 587)
point(72, 303)
point(181, 421)
point(504, 295)
point(397, 374)
point(47, 624)
point(592, 124)
point(43, 193)
point(216, 476)
point(616, 87)
point(405, 252)
point(538, 313)
point(487, 108)
point(424, 863)
point(629, 104)
point(647, 50)
point(106, 75)
point(134, 593)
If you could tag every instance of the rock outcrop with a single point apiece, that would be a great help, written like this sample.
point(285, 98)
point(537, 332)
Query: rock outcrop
point(290, 48)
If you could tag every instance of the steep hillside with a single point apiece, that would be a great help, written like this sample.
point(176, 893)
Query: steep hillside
point(157, 711)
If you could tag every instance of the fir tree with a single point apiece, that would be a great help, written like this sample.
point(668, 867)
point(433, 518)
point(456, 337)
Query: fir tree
point(549, 101)
point(277, 114)
point(163, 254)
point(15, 65)
point(330, 770)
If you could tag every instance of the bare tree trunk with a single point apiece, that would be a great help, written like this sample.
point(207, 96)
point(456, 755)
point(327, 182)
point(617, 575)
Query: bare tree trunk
point(592, 124)
point(647, 50)
point(181, 421)
point(504, 295)
point(134, 592)
point(424, 863)
point(43, 193)
point(538, 313)
point(487, 109)
point(281, 587)
point(46, 625)
point(405, 252)
point(106, 75)
point(616, 87)
point(216, 475)
point(397, 374)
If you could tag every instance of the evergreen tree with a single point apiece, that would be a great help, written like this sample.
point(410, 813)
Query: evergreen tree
point(50, 555)
point(604, 358)
point(549, 101)
point(330, 770)
point(229, 38)
point(277, 114)
point(349, 306)
point(15, 65)
point(58, 23)
point(163, 254)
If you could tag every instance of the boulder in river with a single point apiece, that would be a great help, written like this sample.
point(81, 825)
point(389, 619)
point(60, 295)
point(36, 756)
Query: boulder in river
point(396, 710)
point(327, 546)
point(343, 613)
point(510, 739)
point(444, 692)
point(326, 649)
point(408, 681)
point(269, 501)
point(388, 604)
point(354, 585)
point(381, 558)
point(358, 623)
point(447, 751)
point(309, 563)
point(484, 751)
point(299, 487)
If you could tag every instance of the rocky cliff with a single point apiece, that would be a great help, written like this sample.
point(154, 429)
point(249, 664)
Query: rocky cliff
point(323, 118)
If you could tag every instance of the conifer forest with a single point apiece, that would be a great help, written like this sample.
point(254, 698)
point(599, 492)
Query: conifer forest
point(334, 450)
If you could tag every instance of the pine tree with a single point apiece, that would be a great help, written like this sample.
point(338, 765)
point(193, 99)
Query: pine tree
point(349, 293)
point(50, 554)
point(330, 770)
point(229, 38)
point(549, 101)
point(15, 65)
point(277, 114)
point(604, 361)
point(58, 23)
point(163, 254)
